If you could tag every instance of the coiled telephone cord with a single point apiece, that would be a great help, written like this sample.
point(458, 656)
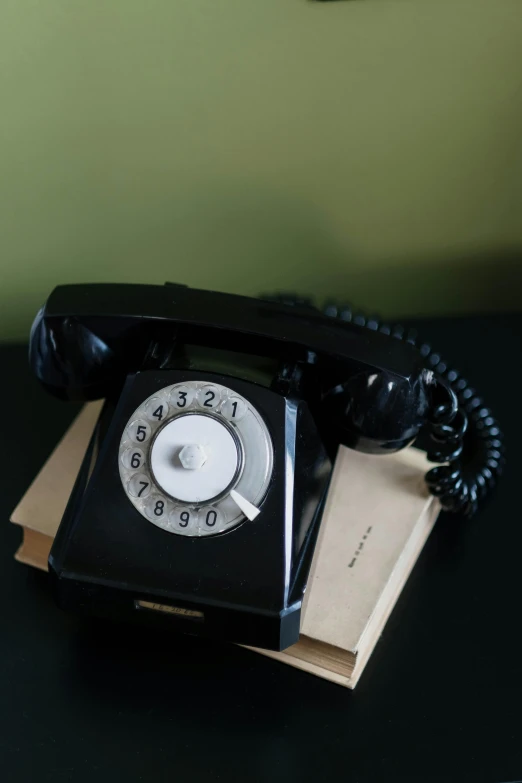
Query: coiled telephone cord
point(463, 431)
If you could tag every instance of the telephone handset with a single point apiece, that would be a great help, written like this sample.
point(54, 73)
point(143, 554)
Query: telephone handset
point(200, 497)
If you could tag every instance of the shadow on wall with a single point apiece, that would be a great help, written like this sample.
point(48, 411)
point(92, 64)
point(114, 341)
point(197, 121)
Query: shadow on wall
point(250, 240)
point(450, 284)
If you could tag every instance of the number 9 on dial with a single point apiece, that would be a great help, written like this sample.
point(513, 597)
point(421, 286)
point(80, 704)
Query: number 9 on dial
point(184, 520)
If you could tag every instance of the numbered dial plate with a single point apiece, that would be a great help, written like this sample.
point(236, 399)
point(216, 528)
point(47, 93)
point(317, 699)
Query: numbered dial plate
point(196, 459)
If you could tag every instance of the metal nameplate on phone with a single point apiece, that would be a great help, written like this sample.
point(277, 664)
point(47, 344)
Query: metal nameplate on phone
point(179, 611)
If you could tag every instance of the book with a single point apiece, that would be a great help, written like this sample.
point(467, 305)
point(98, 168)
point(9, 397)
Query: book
point(377, 517)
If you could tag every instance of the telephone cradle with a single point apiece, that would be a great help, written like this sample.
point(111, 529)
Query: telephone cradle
point(199, 500)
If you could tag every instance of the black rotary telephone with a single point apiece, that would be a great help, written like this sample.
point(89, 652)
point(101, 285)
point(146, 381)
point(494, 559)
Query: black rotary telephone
point(201, 493)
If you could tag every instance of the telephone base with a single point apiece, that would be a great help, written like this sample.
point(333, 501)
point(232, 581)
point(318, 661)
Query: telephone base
point(242, 585)
point(378, 503)
point(277, 631)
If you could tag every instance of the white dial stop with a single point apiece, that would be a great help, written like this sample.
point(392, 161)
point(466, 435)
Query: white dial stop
point(195, 458)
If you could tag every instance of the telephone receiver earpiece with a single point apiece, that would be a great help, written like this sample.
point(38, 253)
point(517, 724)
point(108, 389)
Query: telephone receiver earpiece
point(69, 360)
point(379, 413)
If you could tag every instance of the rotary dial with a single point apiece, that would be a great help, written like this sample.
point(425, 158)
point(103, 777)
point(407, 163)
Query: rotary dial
point(196, 459)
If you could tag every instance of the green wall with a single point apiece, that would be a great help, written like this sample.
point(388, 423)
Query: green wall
point(370, 149)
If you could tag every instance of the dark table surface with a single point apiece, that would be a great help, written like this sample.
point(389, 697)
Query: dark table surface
point(440, 700)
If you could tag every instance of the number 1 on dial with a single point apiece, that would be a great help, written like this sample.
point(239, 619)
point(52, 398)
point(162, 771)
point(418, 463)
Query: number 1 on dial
point(234, 409)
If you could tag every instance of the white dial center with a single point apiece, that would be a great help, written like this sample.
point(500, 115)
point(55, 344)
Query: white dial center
point(194, 458)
